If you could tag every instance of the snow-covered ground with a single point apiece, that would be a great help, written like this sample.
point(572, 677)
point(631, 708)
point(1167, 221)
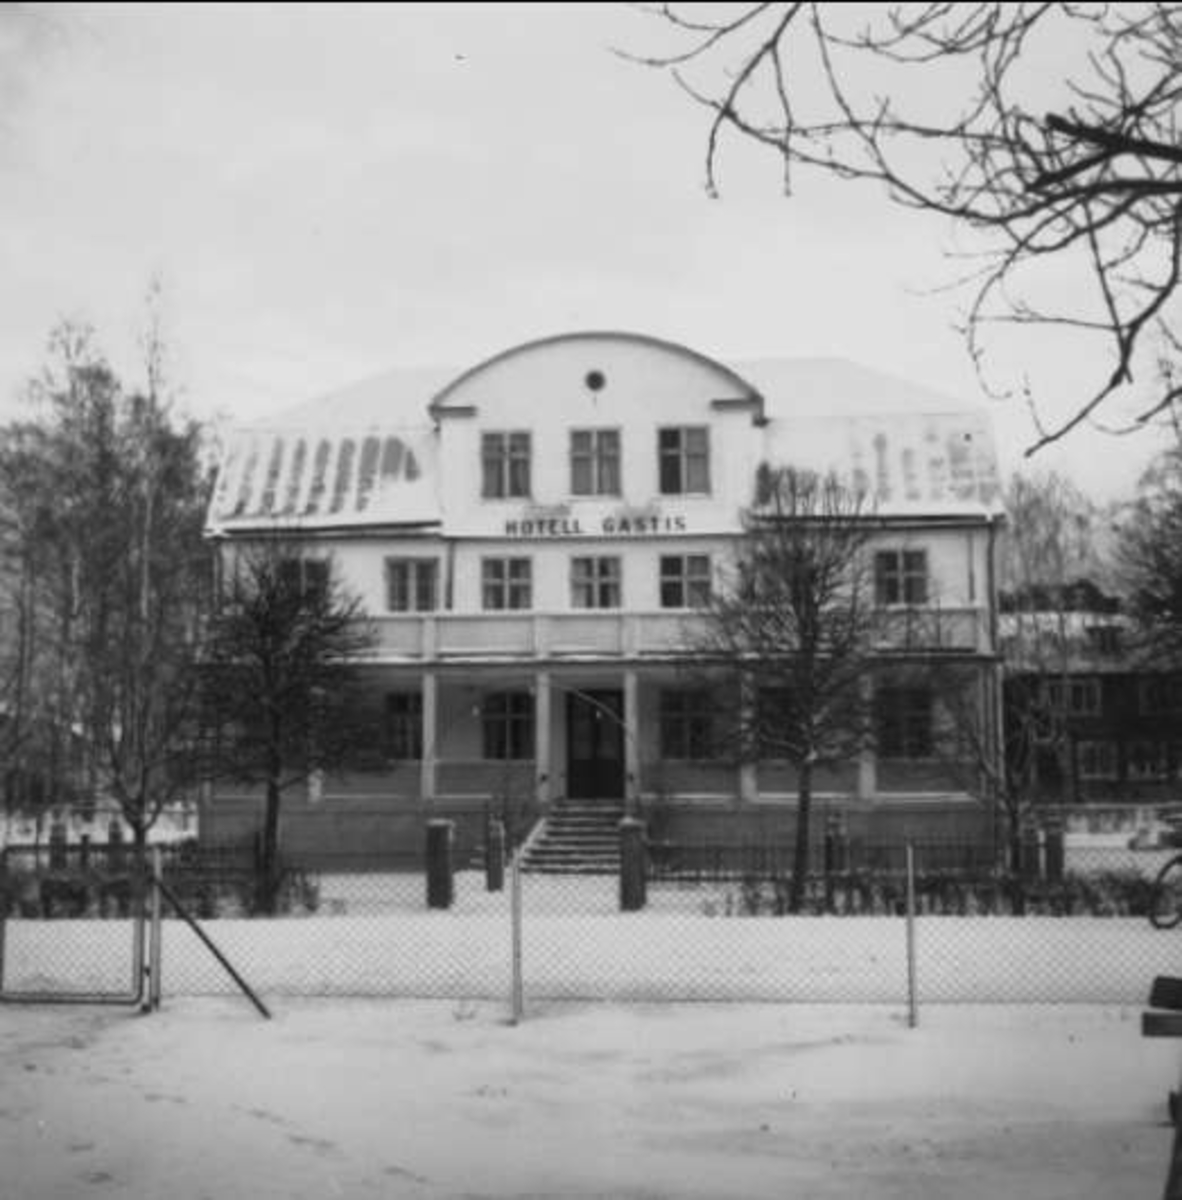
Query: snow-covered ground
point(429, 1099)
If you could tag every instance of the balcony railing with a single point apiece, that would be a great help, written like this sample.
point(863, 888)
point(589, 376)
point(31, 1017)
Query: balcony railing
point(440, 637)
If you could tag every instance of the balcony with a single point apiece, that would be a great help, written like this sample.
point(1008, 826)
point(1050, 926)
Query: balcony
point(444, 637)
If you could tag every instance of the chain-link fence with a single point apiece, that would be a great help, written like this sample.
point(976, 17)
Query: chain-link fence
point(698, 922)
point(72, 923)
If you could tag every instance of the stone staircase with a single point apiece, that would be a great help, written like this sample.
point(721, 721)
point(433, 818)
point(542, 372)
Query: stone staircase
point(577, 837)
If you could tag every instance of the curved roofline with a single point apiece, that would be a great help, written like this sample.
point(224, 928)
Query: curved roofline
point(748, 390)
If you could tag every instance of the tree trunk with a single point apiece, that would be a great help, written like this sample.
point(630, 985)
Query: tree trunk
point(800, 854)
point(1017, 870)
point(139, 856)
point(268, 866)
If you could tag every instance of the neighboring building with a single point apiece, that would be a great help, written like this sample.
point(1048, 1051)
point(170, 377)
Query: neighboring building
point(531, 537)
point(1109, 750)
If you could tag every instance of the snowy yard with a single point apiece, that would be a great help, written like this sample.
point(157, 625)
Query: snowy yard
point(431, 1099)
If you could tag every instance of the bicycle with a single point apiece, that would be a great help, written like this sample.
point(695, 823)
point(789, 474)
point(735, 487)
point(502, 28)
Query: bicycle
point(1165, 896)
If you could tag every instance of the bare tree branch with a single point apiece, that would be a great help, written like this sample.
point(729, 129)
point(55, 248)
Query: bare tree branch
point(940, 105)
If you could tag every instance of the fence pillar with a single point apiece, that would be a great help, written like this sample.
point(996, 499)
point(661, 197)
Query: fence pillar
point(834, 856)
point(1028, 868)
point(440, 882)
point(1056, 852)
point(494, 855)
point(57, 846)
point(633, 879)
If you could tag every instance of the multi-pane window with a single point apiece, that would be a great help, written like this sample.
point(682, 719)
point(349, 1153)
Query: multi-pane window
point(901, 577)
point(506, 583)
point(686, 723)
point(685, 580)
point(595, 582)
point(904, 720)
point(778, 720)
point(306, 576)
point(683, 460)
point(508, 722)
point(595, 462)
point(1077, 697)
point(404, 725)
point(1160, 694)
point(1096, 759)
point(1147, 760)
point(412, 584)
point(504, 462)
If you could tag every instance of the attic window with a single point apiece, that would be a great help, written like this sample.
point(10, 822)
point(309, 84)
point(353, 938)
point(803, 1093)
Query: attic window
point(1104, 639)
point(595, 380)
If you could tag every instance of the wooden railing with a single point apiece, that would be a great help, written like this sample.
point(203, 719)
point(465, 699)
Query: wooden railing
point(516, 635)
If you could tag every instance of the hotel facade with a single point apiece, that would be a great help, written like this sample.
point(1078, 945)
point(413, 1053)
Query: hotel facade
point(532, 540)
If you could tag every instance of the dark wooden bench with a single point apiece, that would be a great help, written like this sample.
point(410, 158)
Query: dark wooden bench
point(1165, 996)
point(1165, 1020)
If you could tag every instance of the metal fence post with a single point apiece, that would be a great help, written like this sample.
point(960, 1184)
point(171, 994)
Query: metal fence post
point(1055, 850)
point(494, 855)
point(912, 989)
point(4, 903)
point(155, 933)
point(517, 987)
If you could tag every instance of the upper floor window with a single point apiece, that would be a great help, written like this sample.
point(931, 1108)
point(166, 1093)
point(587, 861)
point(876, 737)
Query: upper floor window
point(306, 576)
point(686, 723)
point(1076, 697)
point(1096, 759)
point(901, 577)
point(404, 725)
point(685, 580)
point(507, 719)
point(506, 582)
point(1104, 639)
point(683, 460)
point(412, 584)
point(504, 459)
point(904, 722)
point(595, 582)
point(595, 462)
point(1147, 760)
point(1160, 694)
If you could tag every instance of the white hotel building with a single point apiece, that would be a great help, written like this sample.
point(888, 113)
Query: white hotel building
point(530, 538)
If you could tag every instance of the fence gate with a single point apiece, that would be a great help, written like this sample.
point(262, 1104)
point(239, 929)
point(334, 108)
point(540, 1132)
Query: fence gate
point(72, 924)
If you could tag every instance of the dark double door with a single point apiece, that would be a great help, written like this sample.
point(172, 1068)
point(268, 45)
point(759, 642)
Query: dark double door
point(595, 745)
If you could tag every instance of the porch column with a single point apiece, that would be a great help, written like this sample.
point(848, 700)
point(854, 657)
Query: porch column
point(631, 740)
point(542, 724)
point(867, 761)
point(748, 769)
point(430, 686)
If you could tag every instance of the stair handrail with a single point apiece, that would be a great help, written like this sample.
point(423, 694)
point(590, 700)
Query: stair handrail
point(530, 838)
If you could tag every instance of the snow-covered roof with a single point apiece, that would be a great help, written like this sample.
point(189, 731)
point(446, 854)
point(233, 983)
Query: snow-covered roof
point(321, 475)
point(917, 451)
point(366, 454)
point(837, 387)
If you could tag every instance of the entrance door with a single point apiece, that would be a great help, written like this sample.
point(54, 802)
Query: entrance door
point(595, 745)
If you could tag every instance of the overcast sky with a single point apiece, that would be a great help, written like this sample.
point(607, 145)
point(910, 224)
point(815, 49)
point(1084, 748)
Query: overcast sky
point(330, 193)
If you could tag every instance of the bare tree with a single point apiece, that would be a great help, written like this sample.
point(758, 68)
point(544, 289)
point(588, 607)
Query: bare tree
point(1048, 130)
point(1151, 557)
point(1013, 748)
point(793, 624)
point(104, 498)
point(280, 692)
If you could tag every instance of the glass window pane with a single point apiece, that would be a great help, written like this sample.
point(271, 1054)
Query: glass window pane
point(580, 476)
